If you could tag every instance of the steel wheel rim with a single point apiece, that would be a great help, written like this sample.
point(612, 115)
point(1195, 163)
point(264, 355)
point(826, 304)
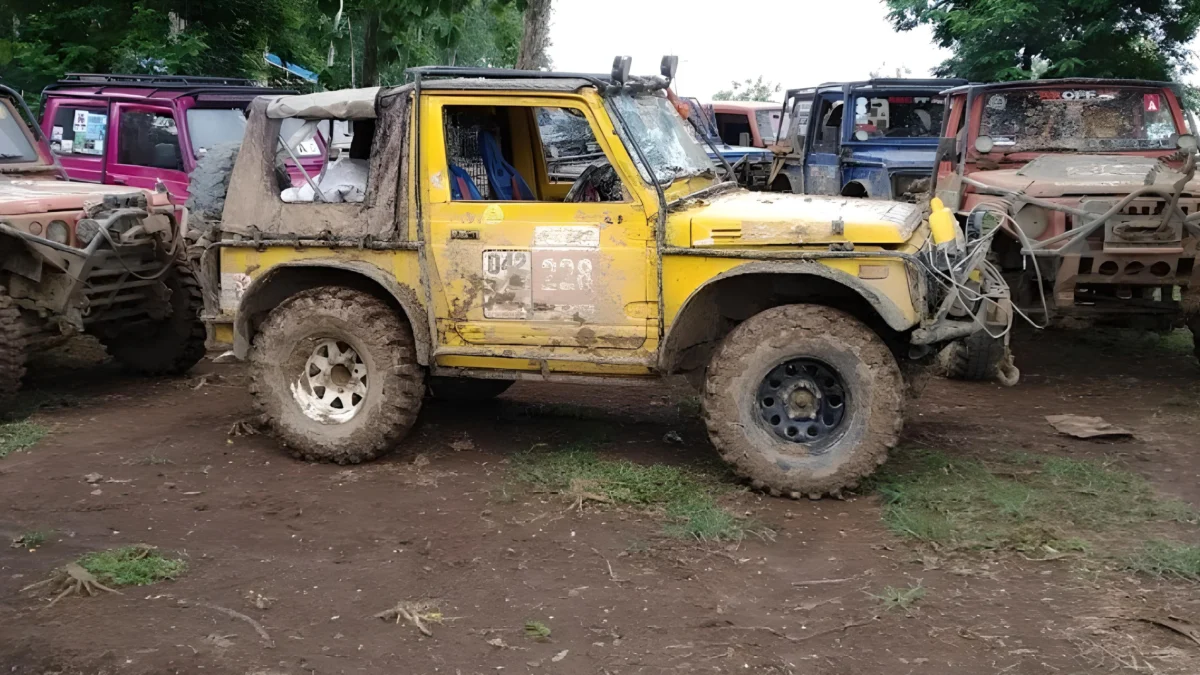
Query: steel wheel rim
point(333, 387)
point(803, 401)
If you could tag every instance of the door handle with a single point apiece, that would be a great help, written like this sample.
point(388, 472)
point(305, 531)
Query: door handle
point(464, 234)
point(118, 181)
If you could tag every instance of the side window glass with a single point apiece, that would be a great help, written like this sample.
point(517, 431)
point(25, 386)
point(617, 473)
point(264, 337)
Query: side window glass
point(481, 149)
point(829, 133)
point(79, 131)
point(800, 113)
point(149, 139)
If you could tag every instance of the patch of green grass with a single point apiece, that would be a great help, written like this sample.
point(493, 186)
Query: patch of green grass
point(1133, 341)
point(1022, 502)
point(16, 436)
point(1167, 559)
point(536, 630)
point(132, 566)
point(32, 539)
point(686, 496)
point(900, 598)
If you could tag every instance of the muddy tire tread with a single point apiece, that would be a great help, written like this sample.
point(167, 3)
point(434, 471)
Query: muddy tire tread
point(12, 348)
point(182, 351)
point(403, 381)
point(779, 327)
point(975, 358)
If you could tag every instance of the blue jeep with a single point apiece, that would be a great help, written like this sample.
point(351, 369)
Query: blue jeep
point(884, 150)
point(751, 166)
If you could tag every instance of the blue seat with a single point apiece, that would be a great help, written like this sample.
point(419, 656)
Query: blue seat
point(502, 176)
point(462, 186)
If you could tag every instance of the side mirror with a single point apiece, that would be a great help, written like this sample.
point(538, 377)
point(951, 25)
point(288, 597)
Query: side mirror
point(668, 67)
point(1186, 142)
point(744, 139)
point(620, 69)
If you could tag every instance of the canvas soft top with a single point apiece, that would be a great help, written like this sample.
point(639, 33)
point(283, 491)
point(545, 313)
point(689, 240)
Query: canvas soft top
point(342, 104)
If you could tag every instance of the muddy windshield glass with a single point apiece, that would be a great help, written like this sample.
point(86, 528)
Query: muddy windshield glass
point(1083, 120)
point(897, 116)
point(208, 127)
point(768, 124)
point(14, 145)
point(657, 128)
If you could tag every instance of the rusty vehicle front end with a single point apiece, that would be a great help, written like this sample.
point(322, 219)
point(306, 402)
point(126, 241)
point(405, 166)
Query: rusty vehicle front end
point(1094, 180)
point(78, 257)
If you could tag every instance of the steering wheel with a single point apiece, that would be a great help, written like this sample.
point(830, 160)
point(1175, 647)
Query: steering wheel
point(597, 183)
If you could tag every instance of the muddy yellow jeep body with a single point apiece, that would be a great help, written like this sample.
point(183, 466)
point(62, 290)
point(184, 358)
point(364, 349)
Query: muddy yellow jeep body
point(534, 226)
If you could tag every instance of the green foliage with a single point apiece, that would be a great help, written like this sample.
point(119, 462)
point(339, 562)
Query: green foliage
point(536, 630)
point(16, 436)
point(132, 566)
point(1167, 559)
point(748, 90)
point(900, 598)
point(1017, 39)
point(684, 496)
point(1034, 504)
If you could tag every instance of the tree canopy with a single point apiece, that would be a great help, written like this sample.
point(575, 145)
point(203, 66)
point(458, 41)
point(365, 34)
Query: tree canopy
point(748, 90)
point(1019, 39)
point(347, 42)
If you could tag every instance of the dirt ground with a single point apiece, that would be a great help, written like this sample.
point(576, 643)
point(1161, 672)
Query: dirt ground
point(441, 520)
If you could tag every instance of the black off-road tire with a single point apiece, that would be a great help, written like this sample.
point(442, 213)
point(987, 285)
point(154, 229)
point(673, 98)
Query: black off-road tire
point(976, 358)
point(12, 349)
point(208, 184)
point(874, 400)
point(395, 382)
point(170, 346)
point(467, 389)
point(1194, 325)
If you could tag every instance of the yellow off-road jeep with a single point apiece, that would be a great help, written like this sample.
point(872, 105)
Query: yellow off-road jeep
point(518, 225)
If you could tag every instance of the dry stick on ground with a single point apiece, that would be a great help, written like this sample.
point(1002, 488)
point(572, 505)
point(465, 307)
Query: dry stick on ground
point(611, 574)
point(792, 638)
point(70, 579)
point(408, 611)
point(1175, 625)
point(258, 627)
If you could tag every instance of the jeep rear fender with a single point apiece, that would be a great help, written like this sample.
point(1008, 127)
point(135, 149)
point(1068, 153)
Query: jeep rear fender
point(282, 281)
point(713, 309)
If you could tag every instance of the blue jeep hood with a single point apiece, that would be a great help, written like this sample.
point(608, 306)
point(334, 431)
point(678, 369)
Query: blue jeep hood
point(733, 153)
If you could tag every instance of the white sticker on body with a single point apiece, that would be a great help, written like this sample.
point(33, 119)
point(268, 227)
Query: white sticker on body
point(506, 284)
point(566, 236)
point(233, 287)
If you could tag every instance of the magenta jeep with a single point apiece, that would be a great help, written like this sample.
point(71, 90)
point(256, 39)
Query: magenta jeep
point(137, 130)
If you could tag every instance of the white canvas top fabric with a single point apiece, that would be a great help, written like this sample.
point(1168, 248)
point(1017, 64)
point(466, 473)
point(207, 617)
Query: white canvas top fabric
point(343, 104)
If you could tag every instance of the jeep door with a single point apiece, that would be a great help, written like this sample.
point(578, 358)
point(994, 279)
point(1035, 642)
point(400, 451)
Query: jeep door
point(822, 165)
point(78, 133)
point(512, 261)
point(145, 147)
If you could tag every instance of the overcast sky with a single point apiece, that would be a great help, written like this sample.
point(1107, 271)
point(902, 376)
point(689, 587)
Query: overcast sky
point(795, 43)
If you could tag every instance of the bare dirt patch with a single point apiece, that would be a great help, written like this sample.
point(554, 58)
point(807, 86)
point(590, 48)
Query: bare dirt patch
point(309, 555)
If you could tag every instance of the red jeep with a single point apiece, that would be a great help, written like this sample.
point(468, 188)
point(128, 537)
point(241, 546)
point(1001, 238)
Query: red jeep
point(138, 129)
point(1093, 180)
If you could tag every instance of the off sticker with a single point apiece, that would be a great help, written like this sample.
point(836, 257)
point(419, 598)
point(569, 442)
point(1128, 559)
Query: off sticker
point(493, 215)
point(233, 288)
point(506, 285)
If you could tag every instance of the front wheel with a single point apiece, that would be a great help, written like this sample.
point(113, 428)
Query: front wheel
point(12, 348)
point(803, 400)
point(979, 357)
point(1194, 324)
point(168, 346)
point(335, 374)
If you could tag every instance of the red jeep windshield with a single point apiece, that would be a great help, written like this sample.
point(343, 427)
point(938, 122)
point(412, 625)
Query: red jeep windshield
point(14, 145)
point(1080, 120)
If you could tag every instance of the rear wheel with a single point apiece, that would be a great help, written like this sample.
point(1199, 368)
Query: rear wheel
point(334, 371)
point(1194, 325)
point(803, 400)
point(170, 346)
point(979, 358)
point(12, 349)
point(467, 389)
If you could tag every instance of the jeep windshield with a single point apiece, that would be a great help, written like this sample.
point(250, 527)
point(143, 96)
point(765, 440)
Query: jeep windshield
point(14, 144)
point(768, 124)
point(656, 127)
point(208, 127)
point(1080, 120)
point(897, 116)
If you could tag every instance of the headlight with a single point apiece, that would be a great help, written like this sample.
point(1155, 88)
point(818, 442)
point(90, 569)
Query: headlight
point(58, 232)
point(1033, 221)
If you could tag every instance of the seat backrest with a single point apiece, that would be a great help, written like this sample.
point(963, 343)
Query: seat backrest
point(461, 184)
point(506, 182)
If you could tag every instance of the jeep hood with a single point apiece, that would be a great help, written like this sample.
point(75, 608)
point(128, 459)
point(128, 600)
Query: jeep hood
point(1059, 175)
point(744, 218)
point(19, 197)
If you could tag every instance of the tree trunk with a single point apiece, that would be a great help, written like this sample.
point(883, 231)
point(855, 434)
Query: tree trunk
point(370, 65)
point(535, 37)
